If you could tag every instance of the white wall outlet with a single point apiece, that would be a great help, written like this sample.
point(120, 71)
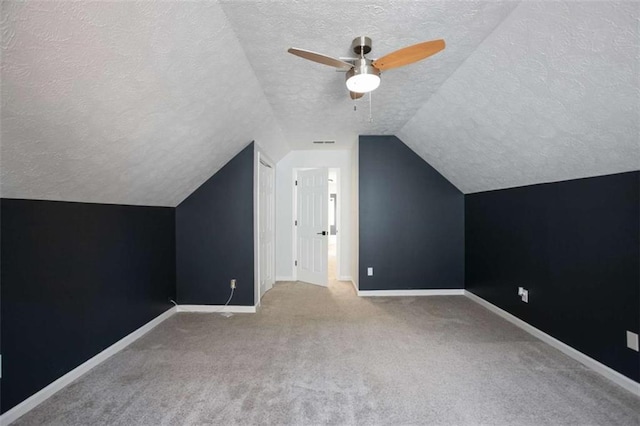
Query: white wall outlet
point(370, 271)
point(233, 283)
point(520, 290)
point(632, 341)
point(525, 295)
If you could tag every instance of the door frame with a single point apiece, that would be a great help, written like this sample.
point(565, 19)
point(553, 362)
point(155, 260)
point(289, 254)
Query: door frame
point(259, 156)
point(339, 200)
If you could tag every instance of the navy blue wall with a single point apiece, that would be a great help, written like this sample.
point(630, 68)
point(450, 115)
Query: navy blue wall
point(411, 220)
point(214, 237)
point(576, 246)
point(76, 278)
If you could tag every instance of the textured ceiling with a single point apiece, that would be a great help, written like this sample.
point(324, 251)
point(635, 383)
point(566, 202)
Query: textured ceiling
point(141, 102)
point(124, 102)
point(311, 101)
point(552, 95)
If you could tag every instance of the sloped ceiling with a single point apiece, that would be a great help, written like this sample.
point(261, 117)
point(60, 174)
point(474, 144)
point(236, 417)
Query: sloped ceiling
point(124, 102)
point(141, 102)
point(552, 95)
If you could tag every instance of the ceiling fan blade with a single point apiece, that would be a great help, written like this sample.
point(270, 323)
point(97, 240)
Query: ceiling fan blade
point(355, 95)
point(409, 55)
point(320, 58)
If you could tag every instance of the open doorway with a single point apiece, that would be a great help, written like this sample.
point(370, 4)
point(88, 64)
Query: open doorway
point(292, 262)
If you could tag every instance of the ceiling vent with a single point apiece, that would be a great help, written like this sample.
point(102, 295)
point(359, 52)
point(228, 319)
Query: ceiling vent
point(319, 142)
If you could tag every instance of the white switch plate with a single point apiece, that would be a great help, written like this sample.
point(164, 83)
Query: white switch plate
point(525, 296)
point(632, 341)
point(370, 271)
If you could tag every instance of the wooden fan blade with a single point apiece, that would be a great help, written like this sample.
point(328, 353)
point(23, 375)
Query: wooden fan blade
point(409, 55)
point(320, 58)
point(355, 95)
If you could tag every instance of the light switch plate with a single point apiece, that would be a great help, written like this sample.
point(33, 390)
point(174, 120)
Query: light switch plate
point(632, 341)
point(370, 271)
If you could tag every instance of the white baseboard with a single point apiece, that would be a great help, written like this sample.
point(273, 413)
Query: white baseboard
point(345, 278)
point(355, 286)
point(217, 308)
point(283, 278)
point(432, 292)
point(619, 379)
point(46, 392)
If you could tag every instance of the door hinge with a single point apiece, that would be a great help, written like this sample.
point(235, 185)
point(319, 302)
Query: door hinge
point(296, 262)
point(296, 183)
point(296, 223)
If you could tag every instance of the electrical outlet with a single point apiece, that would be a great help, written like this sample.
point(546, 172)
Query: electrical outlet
point(632, 341)
point(525, 296)
point(233, 283)
point(370, 271)
point(520, 290)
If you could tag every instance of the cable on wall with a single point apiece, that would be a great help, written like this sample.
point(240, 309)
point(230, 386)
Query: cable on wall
point(222, 308)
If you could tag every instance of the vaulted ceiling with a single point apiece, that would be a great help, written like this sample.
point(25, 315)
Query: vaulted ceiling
point(141, 102)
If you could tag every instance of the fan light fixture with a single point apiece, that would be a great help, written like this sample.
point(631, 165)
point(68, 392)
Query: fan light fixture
point(363, 77)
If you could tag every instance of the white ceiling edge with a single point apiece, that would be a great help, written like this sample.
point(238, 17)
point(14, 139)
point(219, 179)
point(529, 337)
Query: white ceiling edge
point(122, 103)
point(553, 94)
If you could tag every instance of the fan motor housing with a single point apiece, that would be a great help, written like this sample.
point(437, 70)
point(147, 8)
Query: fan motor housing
point(361, 45)
point(362, 66)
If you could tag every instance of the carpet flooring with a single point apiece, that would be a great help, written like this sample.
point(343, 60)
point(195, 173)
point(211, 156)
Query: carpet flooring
point(315, 355)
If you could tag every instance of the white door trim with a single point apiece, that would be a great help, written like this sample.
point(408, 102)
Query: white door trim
point(266, 225)
point(339, 202)
point(259, 155)
point(294, 228)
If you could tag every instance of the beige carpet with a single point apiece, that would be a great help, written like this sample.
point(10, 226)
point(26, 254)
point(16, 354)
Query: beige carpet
point(316, 355)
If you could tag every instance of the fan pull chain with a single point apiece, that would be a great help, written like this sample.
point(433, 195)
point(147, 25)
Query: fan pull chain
point(370, 117)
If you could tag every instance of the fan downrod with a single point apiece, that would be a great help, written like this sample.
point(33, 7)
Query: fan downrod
point(361, 45)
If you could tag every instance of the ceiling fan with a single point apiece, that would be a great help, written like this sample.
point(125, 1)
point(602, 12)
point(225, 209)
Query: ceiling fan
point(363, 74)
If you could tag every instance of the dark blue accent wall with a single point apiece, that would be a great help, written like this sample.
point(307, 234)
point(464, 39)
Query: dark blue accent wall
point(77, 278)
point(575, 246)
point(411, 220)
point(214, 237)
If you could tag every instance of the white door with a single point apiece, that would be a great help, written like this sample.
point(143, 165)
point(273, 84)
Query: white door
point(266, 228)
point(313, 224)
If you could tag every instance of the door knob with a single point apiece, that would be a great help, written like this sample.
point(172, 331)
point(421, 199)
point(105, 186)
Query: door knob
point(322, 233)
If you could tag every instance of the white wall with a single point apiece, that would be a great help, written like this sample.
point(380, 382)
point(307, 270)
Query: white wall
point(285, 255)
